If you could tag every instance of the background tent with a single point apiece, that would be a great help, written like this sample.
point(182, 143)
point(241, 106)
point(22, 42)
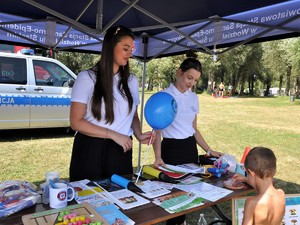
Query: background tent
point(167, 27)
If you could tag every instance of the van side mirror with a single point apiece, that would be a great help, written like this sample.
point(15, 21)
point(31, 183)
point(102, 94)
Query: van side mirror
point(71, 82)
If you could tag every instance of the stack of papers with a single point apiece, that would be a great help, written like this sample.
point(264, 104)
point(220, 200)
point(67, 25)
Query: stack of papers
point(183, 168)
point(86, 193)
point(92, 192)
point(152, 190)
point(126, 199)
point(205, 190)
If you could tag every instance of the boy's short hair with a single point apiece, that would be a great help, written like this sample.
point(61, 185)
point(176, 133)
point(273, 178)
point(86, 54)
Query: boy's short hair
point(262, 161)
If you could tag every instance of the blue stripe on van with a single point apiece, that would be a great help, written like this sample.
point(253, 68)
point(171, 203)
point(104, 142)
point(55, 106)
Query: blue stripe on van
point(6, 100)
point(50, 101)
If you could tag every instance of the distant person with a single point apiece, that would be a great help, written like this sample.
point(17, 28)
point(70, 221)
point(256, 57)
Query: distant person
point(221, 89)
point(230, 89)
point(214, 90)
point(268, 205)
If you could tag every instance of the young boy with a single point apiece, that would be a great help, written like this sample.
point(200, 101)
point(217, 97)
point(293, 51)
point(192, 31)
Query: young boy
point(268, 205)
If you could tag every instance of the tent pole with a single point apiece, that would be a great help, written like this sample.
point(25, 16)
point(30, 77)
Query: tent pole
point(99, 16)
point(145, 42)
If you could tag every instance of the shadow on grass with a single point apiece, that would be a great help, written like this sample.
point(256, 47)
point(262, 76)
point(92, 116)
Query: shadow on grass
point(39, 182)
point(29, 134)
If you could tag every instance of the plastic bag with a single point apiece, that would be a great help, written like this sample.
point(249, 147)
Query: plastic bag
point(16, 195)
point(230, 160)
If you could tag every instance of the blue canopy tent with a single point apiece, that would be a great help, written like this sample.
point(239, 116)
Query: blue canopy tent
point(162, 28)
point(168, 27)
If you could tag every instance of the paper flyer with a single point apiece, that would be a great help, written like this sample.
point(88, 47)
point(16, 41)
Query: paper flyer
point(113, 215)
point(126, 199)
point(86, 193)
point(178, 201)
point(205, 190)
point(152, 190)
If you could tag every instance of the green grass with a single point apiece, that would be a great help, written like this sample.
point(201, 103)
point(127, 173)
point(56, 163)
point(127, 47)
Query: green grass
point(227, 124)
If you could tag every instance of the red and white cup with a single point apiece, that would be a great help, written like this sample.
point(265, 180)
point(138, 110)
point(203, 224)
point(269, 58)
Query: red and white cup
point(60, 195)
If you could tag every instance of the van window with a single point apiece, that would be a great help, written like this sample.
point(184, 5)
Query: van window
point(13, 70)
point(50, 74)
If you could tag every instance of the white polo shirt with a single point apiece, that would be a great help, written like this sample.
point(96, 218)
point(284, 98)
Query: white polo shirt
point(187, 109)
point(82, 92)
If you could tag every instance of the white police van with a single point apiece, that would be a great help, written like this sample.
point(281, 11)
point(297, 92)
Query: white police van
point(35, 92)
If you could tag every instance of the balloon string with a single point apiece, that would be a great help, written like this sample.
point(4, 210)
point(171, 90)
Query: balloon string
point(146, 153)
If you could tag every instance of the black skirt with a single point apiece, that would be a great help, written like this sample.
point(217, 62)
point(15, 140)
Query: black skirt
point(96, 158)
point(179, 151)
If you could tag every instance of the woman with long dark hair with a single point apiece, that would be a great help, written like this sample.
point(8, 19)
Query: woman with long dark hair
point(104, 112)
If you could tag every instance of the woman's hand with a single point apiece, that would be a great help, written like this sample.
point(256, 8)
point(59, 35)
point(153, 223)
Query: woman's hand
point(121, 139)
point(158, 162)
point(144, 138)
point(215, 153)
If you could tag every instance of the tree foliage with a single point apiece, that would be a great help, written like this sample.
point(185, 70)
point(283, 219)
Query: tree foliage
point(78, 61)
point(250, 69)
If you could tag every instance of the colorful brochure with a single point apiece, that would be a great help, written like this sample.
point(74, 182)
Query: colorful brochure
point(113, 215)
point(178, 201)
point(152, 190)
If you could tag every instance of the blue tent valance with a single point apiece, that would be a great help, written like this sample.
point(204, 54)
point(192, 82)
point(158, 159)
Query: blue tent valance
point(205, 35)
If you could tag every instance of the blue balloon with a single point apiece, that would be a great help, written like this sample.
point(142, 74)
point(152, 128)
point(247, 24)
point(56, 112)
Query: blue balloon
point(160, 110)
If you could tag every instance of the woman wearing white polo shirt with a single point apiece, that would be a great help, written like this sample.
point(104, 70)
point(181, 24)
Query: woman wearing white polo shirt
point(103, 112)
point(180, 139)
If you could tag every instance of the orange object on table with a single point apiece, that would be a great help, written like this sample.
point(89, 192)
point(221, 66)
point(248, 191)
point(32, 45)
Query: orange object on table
point(247, 150)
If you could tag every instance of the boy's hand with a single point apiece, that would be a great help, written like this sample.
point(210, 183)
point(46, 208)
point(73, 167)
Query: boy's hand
point(239, 178)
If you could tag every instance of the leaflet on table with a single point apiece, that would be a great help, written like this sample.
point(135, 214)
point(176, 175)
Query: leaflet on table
point(205, 190)
point(183, 168)
point(151, 189)
point(191, 180)
point(126, 199)
point(165, 185)
point(85, 192)
point(112, 214)
point(178, 201)
point(186, 181)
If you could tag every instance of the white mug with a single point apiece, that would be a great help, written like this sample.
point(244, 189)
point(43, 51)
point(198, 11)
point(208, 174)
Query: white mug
point(59, 196)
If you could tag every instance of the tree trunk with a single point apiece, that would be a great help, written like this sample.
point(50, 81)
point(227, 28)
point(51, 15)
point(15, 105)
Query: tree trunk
point(267, 89)
point(242, 88)
point(280, 82)
point(150, 85)
point(249, 87)
point(288, 80)
point(297, 87)
point(234, 83)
